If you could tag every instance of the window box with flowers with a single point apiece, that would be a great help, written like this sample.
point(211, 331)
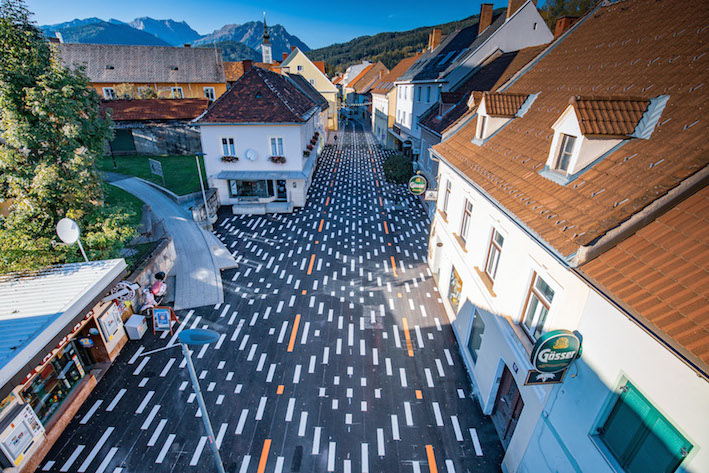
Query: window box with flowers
point(278, 159)
point(230, 159)
point(310, 147)
point(306, 153)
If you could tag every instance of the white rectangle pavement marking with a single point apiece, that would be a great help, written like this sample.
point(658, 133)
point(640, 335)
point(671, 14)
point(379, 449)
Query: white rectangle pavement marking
point(165, 448)
point(476, 442)
point(437, 414)
point(416, 466)
point(456, 428)
point(365, 458)
point(151, 416)
point(331, 456)
point(156, 435)
point(104, 464)
point(397, 340)
point(271, 372)
point(402, 375)
point(220, 341)
point(167, 367)
point(296, 374)
point(261, 361)
point(395, 427)
point(279, 465)
point(311, 366)
point(145, 402)
point(303, 424)
point(380, 442)
point(439, 366)
point(136, 355)
point(245, 464)
point(88, 415)
point(407, 412)
point(221, 433)
point(387, 362)
point(450, 468)
point(316, 441)
point(449, 358)
point(198, 451)
point(70, 461)
point(48, 466)
point(242, 421)
point(429, 377)
point(261, 407)
point(289, 410)
point(282, 333)
point(141, 366)
point(94, 451)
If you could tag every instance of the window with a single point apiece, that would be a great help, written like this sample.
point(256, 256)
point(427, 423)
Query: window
point(446, 196)
point(209, 93)
point(299, 68)
point(454, 290)
point(228, 147)
point(482, 122)
point(465, 222)
point(537, 308)
point(419, 93)
point(276, 146)
point(493, 254)
point(476, 336)
point(639, 437)
point(565, 152)
point(109, 93)
point(428, 94)
point(177, 93)
point(251, 189)
point(312, 81)
point(146, 92)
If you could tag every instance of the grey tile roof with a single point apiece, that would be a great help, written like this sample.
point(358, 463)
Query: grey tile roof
point(135, 64)
point(304, 86)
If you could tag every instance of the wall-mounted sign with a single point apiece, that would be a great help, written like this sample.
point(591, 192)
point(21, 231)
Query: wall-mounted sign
point(555, 350)
point(417, 184)
point(86, 342)
point(431, 196)
point(537, 377)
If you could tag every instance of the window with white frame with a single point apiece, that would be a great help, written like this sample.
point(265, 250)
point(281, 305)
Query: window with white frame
point(299, 68)
point(566, 152)
point(482, 122)
point(446, 196)
point(537, 306)
point(428, 94)
point(276, 146)
point(228, 147)
point(465, 221)
point(312, 81)
point(209, 93)
point(177, 93)
point(493, 254)
point(419, 93)
point(109, 93)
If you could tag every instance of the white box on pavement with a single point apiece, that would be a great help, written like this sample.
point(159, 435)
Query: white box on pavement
point(136, 327)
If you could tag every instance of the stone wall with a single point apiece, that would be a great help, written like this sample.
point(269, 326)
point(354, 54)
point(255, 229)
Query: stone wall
point(167, 138)
point(162, 258)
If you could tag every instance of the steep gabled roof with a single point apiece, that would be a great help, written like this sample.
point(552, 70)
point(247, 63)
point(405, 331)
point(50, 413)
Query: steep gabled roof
point(305, 87)
point(155, 109)
point(353, 82)
point(609, 116)
point(137, 64)
point(501, 104)
point(261, 96)
point(386, 83)
point(364, 82)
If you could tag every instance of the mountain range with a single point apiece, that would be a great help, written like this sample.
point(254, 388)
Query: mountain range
point(240, 41)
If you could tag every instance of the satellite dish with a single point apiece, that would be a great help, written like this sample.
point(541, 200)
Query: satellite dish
point(68, 231)
point(251, 154)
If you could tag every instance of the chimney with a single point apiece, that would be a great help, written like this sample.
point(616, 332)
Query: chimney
point(515, 5)
point(247, 64)
point(187, 45)
point(292, 48)
point(285, 55)
point(563, 24)
point(485, 19)
point(434, 38)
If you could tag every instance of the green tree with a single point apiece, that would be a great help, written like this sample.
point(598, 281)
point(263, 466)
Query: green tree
point(398, 168)
point(555, 9)
point(51, 132)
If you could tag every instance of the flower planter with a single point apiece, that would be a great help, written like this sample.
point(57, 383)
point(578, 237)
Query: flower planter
point(306, 153)
point(230, 159)
point(310, 147)
point(278, 159)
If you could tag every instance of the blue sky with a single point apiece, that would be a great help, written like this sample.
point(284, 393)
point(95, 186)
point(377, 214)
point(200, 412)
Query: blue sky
point(318, 23)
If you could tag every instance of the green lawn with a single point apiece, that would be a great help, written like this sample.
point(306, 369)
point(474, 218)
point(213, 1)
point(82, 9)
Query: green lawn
point(115, 196)
point(180, 171)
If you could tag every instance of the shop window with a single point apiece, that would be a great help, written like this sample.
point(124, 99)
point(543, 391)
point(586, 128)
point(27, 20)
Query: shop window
point(253, 189)
point(639, 437)
point(476, 336)
point(536, 310)
point(454, 289)
point(52, 385)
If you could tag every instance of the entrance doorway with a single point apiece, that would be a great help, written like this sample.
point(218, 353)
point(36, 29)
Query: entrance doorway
point(508, 408)
point(281, 193)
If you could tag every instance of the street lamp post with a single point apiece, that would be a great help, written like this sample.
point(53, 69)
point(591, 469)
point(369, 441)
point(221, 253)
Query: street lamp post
point(201, 337)
point(204, 194)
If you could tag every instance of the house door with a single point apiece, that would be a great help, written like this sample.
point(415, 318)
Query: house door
point(508, 407)
point(281, 193)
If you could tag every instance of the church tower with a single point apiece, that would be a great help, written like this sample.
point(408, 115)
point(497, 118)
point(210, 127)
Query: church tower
point(266, 53)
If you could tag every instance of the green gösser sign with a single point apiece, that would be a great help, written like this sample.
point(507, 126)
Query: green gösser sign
point(417, 184)
point(555, 350)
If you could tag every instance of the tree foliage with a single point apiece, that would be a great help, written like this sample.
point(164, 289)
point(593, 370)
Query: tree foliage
point(51, 132)
point(398, 168)
point(555, 9)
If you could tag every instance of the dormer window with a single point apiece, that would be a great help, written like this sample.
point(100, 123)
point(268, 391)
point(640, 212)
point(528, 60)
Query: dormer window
point(591, 128)
point(496, 110)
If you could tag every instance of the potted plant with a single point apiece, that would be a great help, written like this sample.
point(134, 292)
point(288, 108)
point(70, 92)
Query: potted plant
point(306, 153)
point(278, 159)
point(310, 147)
point(230, 159)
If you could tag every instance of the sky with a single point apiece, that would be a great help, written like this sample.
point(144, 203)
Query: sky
point(318, 23)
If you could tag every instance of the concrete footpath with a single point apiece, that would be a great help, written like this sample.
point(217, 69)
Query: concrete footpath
point(200, 255)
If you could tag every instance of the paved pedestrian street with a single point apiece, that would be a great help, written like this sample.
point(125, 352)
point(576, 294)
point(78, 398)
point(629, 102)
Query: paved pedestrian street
point(335, 353)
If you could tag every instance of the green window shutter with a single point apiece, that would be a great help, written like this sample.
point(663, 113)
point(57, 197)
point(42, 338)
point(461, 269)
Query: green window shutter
point(625, 423)
point(661, 451)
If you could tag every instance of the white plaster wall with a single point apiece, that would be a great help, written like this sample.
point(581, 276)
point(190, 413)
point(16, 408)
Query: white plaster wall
point(405, 103)
point(380, 119)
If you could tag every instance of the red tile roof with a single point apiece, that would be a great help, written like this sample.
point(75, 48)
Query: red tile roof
point(662, 273)
point(155, 109)
point(632, 48)
point(609, 116)
point(503, 104)
point(352, 83)
point(320, 65)
point(261, 96)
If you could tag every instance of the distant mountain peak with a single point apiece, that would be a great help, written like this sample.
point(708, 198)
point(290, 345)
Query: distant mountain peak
point(251, 34)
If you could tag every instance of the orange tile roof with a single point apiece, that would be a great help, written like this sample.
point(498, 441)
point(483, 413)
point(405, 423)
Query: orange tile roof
point(609, 116)
point(502, 104)
point(352, 83)
point(386, 83)
point(662, 273)
point(634, 48)
point(235, 69)
point(320, 65)
point(155, 109)
point(337, 80)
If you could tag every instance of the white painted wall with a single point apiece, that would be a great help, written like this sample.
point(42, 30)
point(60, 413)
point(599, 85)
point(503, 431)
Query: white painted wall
point(380, 118)
point(613, 345)
point(405, 108)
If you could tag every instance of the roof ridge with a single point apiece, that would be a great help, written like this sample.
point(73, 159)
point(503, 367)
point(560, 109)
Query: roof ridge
point(273, 89)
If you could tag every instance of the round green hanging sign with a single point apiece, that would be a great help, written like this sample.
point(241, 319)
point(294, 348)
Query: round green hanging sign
point(555, 350)
point(417, 184)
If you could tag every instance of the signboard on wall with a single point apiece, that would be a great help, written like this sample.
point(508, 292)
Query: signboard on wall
point(110, 321)
point(537, 377)
point(431, 196)
point(417, 184)
point(555, 351)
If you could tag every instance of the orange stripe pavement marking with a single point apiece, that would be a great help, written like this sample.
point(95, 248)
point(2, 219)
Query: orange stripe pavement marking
point(322, 221)
point(419, 394)
point(380, 202)
point(327, 202)
point(310, 266)
point(386, 228)
point(331, 183)
point(294, 333)
point(393, 266)
point(264, 456)
point(431, 459)
point(409, 346)
point(281, 388)
point(304, 292)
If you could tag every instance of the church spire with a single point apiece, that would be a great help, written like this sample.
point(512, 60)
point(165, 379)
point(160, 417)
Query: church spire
point(266, 36)
point(266, 53)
